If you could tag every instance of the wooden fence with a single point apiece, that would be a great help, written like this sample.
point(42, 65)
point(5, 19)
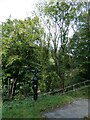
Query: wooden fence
point(69, 88)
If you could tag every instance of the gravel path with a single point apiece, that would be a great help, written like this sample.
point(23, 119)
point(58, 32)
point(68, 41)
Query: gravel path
point(77, 109)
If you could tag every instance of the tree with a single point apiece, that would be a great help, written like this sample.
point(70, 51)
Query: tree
point(18, 52)
point(58, 17)
point(80, 45)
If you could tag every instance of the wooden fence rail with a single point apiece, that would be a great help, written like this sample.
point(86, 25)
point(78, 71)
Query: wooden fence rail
point(69, 88)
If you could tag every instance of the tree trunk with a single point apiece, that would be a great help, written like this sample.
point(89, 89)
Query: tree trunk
point(11, 88)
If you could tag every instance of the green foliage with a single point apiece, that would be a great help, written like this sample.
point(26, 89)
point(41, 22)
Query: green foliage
point(80, 48)
point(19, 50)
point(62, 60)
